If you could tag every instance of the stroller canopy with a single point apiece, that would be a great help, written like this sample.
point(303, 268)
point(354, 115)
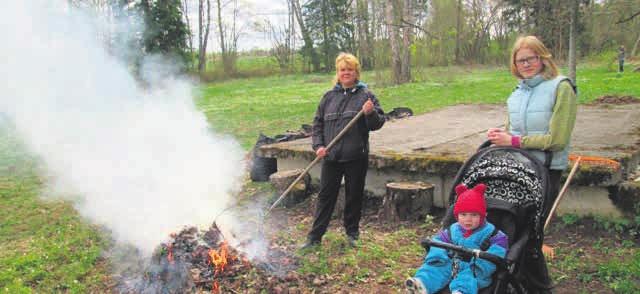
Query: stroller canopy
point(512, 176)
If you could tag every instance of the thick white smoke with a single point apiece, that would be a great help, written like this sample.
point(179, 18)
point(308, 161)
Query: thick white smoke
point(141, 162)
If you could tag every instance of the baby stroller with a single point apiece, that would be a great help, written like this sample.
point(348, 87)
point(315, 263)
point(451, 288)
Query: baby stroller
point(517, 186)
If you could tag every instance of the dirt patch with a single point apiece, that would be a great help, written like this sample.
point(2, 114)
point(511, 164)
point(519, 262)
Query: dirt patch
point(583, 250)
point(615, 99)
point(389, 253)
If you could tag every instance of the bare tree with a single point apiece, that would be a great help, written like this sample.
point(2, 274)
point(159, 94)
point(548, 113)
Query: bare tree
point(204, 21)
point(393, 32)
point(483, 15)
point(458, 29)
point(407, 32)
point(635, 47)
point(306, 36)
point(280, 38)
point(633, 15)
point(364, 33)
point(229, 35)
point(187, 21)
point(572, 39)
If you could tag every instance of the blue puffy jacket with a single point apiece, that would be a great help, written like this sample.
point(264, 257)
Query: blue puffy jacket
point(436, 271)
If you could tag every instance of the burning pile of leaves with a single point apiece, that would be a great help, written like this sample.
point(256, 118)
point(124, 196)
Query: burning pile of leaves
point(195, 261)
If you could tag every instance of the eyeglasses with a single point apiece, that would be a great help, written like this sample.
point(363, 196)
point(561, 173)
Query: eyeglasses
point(528, 60)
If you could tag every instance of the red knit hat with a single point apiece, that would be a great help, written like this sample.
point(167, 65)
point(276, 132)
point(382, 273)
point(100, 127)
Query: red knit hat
point(470, 200)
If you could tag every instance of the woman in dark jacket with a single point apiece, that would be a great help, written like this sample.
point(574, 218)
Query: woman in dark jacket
point(350, 156)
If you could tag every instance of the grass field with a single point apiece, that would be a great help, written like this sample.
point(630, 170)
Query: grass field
point(272, 105)
point(45, 246)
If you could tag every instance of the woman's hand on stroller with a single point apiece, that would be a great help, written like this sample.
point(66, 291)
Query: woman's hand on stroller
point(499, 137)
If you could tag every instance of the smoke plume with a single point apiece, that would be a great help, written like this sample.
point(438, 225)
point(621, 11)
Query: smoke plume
point(140, 161)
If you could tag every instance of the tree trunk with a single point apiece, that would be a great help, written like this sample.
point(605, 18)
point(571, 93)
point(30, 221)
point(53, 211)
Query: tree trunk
point(407, 201)
point(362, 22)
point(187, 20)
point(458, 26)
point(325, 36)
point(373, 33)
point(405, 68)
point(635, 47)
point(224, 51)
point(392, 28)
point(291, 38)
point(306, 36)
point(203, 33)
point(572, 40)
point(283, 179)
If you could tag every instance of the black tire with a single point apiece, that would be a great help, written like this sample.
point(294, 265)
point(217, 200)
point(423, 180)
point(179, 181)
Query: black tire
point(262, 167)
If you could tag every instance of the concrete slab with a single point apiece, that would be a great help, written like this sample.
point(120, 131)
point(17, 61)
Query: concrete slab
point(433, 146)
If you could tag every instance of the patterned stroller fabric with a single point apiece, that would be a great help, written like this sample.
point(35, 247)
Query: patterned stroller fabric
point(509, 176)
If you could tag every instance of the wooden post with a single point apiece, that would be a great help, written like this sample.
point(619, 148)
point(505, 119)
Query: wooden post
point(338, 211)
point(407, 201)
point(282, 180)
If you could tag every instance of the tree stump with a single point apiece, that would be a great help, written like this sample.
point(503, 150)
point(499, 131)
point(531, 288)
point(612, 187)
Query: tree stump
point(407, 201)
point(281, 181)
point(338, 211)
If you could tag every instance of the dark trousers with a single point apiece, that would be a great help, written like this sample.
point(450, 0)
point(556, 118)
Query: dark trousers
point(535, 263)
point(620, 65)
point(354, 173)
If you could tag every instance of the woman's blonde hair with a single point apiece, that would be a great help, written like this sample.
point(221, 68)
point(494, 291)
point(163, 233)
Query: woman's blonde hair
point(348, 60)
point(549, 67)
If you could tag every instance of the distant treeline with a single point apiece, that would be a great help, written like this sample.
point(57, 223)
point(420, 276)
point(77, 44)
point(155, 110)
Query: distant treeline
point(394, 34)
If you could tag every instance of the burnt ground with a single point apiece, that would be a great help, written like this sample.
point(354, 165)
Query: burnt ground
point(592, 256)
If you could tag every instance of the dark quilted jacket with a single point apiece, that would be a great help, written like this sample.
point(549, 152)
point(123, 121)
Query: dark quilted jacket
point(337, 107)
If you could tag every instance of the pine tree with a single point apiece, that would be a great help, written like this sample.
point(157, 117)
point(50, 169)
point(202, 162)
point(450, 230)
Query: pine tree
point(166, 33)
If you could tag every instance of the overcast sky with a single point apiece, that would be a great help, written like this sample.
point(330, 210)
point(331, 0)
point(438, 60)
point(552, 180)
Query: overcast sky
point(251, 11)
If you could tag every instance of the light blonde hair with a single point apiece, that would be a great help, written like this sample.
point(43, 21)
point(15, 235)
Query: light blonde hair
point(549, 67)
point(348, 60)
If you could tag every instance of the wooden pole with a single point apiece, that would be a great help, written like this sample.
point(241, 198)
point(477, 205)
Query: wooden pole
point(564, 189)
point(316, 160)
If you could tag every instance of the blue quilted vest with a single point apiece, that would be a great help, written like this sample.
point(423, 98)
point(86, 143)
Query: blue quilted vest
point(530, 108)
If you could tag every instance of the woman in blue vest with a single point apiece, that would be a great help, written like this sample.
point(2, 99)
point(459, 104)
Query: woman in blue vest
point(542, 113)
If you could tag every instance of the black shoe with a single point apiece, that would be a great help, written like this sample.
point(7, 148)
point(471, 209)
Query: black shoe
point(353, 240)
point(310, 244)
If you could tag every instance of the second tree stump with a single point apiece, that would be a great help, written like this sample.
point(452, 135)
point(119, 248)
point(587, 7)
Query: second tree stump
point(281, 181)
point(407, 201)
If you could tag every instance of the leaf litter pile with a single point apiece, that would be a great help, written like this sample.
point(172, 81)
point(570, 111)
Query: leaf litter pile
point(198, 262)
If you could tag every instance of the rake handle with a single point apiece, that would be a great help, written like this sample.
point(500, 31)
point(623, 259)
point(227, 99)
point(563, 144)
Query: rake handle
point(562, 191)
point(316, 160)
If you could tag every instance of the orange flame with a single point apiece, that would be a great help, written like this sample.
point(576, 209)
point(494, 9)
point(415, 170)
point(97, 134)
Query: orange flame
point(219, 257)
point(216, 287)
point(170, 253)
point(219, 261)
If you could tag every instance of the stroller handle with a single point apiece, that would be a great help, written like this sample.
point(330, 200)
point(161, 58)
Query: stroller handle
point(485, 144)
point(465, 252)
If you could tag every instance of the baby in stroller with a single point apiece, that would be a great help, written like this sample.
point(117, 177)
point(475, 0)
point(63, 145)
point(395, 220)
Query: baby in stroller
point(471, 231)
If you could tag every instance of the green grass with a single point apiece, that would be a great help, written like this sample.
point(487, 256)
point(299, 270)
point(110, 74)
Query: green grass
point(272, 105)
point(381, 258)
point(44, 246)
